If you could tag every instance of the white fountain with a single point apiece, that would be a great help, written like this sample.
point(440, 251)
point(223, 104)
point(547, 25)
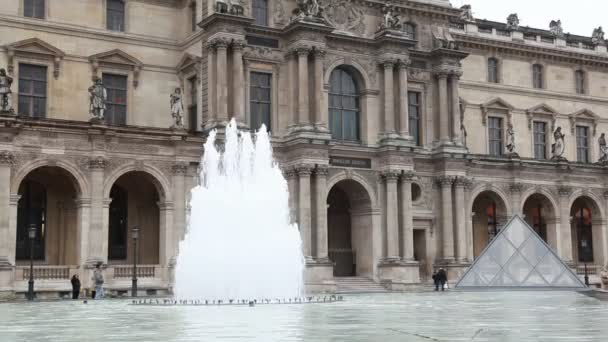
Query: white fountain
point(240, 243)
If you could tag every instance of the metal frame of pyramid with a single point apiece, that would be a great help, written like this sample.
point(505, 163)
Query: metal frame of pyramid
point(517, 258)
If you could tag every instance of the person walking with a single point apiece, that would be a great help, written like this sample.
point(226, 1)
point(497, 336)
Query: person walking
point(98, 281)
point(442, 278)
point(435, 280)
point(75, 286)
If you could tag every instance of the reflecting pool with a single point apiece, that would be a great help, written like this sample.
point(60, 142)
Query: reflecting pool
point(450, 316)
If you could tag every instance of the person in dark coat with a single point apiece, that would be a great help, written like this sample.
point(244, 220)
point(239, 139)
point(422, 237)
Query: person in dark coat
point(75, 286)
point(435, 281)
point(442, 278)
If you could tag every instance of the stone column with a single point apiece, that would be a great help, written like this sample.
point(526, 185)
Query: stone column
point(96, 227)
point(292, 185)
point(446, 218)
point(165, 224)
point(321, 173)
point(564, 235)
point(237, 82)
point(178, 228)
point(11, 243)
point(454, 81)
point(303, 100)
point(444, 130)
point(304, 204)
point(389, 98)
point(604, 235)
point(461, 229)
point(211, 83)
point(321, 114)
point(404, 122)
point(392, 222)
point(83, 207)
point(407, 217)
point(222, 80)
point(469, 218)
point(516, 205)
point(7, 159)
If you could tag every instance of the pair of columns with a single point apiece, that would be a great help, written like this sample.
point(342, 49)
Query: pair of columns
point(449, 102)
point(300, 181)
point(218, 50)
point(453, 220)
point(299, 60)
point(396, 182)
point(392, 116)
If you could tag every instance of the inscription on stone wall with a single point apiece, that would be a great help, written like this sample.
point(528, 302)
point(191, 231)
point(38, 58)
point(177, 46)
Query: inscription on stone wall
point(360, 163)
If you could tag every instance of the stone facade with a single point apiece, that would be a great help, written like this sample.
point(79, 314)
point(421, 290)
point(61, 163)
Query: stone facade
point(390, 204)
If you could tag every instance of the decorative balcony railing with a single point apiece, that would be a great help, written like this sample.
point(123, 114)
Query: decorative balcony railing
point(592, 270)
point(143, 271)
point(48, 272)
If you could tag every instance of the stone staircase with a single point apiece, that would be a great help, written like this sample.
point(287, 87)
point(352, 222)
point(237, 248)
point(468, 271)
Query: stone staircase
point(357, 285)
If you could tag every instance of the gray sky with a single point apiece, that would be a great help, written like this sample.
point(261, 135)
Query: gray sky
point(578, 16)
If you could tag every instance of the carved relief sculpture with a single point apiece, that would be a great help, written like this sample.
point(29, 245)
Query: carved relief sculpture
point(598, 36)
point(556, 28)
point(6, 103)
point(227, 7)
point(603, 150)
point(513, 22)
point(390, 21)
point(442, 38)
point(558, 147)
point(98, 98)
point(345, 16)
point(467, 13)
point(308, 10)
point(177, 109)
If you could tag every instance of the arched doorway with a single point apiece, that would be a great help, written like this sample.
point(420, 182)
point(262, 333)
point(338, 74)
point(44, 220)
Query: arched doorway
point(48, 201)
point(540, 215)
point(585, 225)
point(349, 222)
point(489, 215)
point(134, 202)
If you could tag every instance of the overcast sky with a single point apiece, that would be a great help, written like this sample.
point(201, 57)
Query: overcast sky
point(578, 17)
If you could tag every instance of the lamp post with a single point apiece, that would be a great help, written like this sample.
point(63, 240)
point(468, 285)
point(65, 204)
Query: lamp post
point(135, 232)
point(30, 284)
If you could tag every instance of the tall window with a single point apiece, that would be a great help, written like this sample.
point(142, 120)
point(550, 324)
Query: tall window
point(540, 140)
point(193, 107)
point(537, 76)
point(492, 70)
point(260, 12)
point(580, 81)
point(495, 136)
point(33, 8)
point(117, 225)
point(32, 90)
point(584, 234)
point(31, 209)
point(116, 105)
point(115, 15)
point(582, 144)
point(410, 30)
point(261, 95)
point(413, 99)
point(343, 106)
point(193, 15)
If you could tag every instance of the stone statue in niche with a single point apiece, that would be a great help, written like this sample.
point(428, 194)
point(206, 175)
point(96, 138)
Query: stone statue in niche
point(603, 150)
point(467, 13)
point(98, 96)
point(510, 143)
point(390, 21)
point(513, 22)
point(6, 95)
point(308, 10)
point(598, 36)
point(558, 147)
point(177, 109)
point(443, 39)
point(556, 28)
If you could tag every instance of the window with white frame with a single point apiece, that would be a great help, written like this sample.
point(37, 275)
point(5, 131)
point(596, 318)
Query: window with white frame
point(32, 90)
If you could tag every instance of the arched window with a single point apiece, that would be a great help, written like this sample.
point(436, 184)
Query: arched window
point(492, 70)
point(260, 12)
point(537, 76)
point(580, 82)
point(31, 210)
point(343, 106)
point(410, 30)
point(584, 234)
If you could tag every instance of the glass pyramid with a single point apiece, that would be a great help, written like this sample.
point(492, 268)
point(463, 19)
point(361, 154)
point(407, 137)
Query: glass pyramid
point(519, 258)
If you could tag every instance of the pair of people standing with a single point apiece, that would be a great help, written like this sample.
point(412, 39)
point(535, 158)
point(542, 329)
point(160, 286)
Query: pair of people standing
point(97, 281)
point(440, 278)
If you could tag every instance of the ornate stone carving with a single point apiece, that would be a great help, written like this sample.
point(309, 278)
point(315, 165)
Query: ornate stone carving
point(345, 15)
point(558, 147)
point(97, 163)
point(390, 21)
point(321, 171)
point(177, 109)
point(598, 36)
point(236, 8)
point(408, 176)
point(6, 95)
point(304, 170)
point(556, 28)
point(279, 13)
point(391, 175)
point(516, 187)
point(510, 142)
point(7, 158)
point(467, 13)
point(179, 169)
point(98, 96)
point(603, 150)
point(308, 10)
point(512, 22)
point(564, 190)
point(461, 181)
point(442, 39)
point(444, 181)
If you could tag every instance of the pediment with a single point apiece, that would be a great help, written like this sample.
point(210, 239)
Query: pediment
point(542, 109)
point(35, 46)
point(498, 103)
point(116, 57)
point(584, 114)
point(187, 61)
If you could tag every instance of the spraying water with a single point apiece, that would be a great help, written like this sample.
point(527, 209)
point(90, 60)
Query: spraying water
point(239, 243)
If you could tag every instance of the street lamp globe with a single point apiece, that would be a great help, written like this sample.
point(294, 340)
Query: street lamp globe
point(135, 233)
point(31, 231)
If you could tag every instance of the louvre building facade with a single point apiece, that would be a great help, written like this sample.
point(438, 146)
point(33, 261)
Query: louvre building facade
point(409, 133)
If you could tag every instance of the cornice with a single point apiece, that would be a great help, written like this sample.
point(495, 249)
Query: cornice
point(517, 48)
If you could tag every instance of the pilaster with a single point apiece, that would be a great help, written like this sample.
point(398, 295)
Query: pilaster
point(221, 46)
point(7, 159)
point(454, 82)
point(320, 174)
point(237, 82)
point(404, 122)
point(392, 223)
point(303, 100)
point(407, 217)
point(461, 230)
point(320, 108)
point(389, 98)
point(447, 229)
point(564, 236)
point(179, 171)
point(97, 166)
point(304, 208)
point(444, 132)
